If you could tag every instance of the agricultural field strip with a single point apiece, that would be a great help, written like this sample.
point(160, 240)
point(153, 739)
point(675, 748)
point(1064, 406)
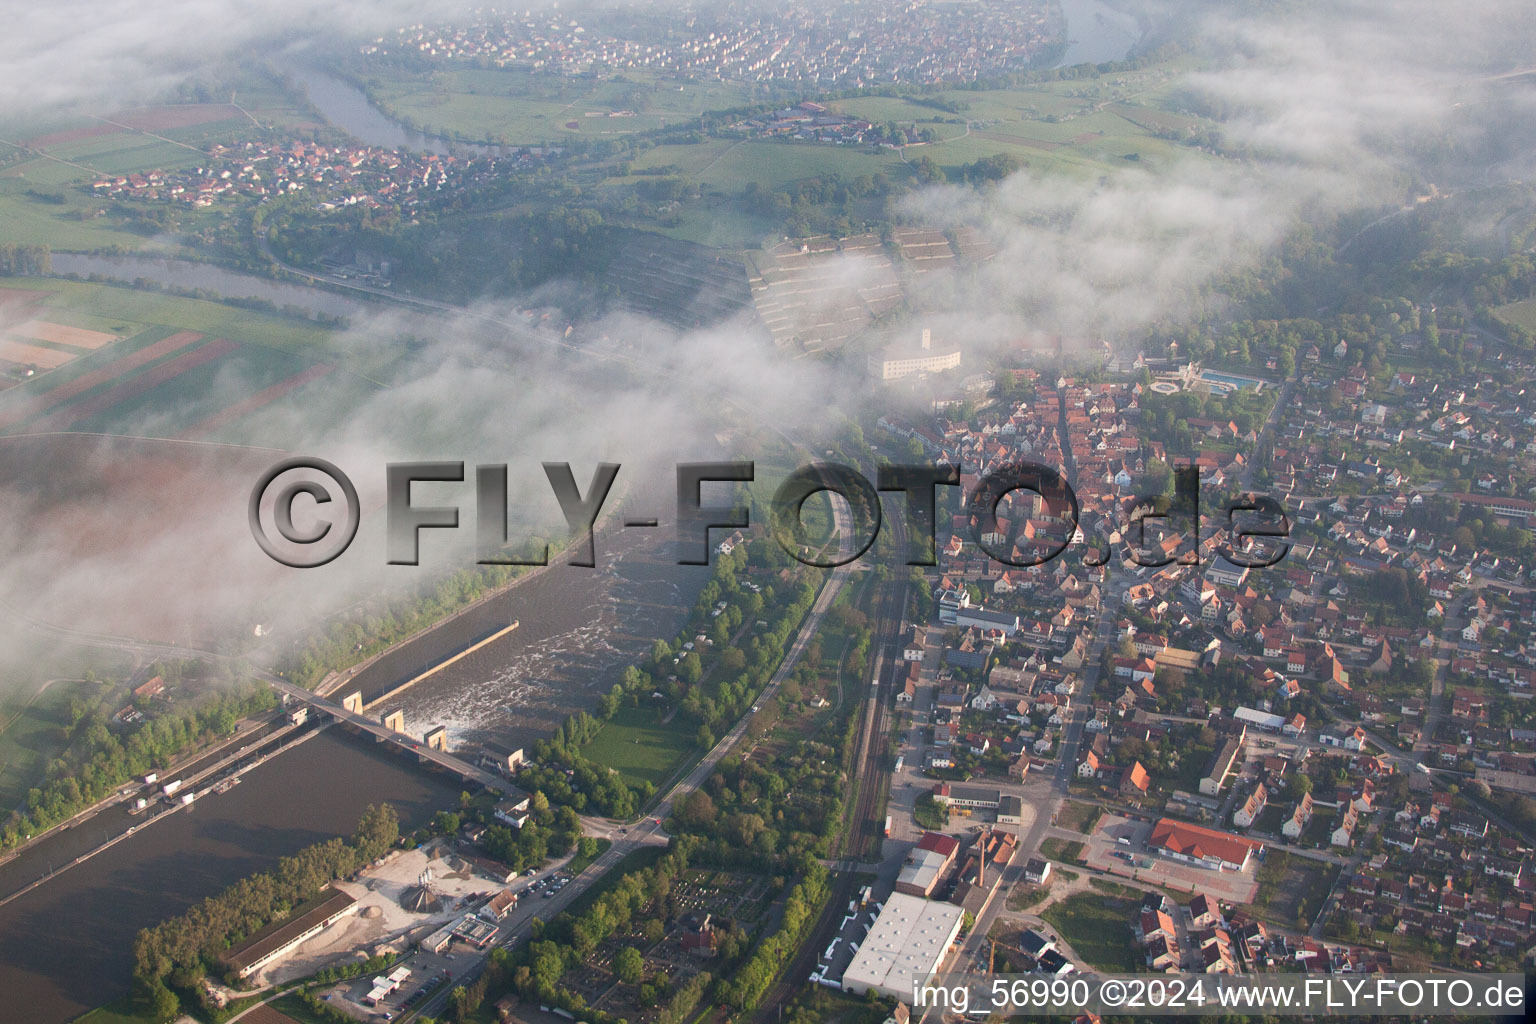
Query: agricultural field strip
point(260, 399)
point(57, 396)
point(21, 353)
point(153, 377)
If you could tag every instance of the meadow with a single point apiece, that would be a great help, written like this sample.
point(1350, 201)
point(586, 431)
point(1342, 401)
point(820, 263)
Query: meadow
point(32, 728)
point(639, 746)
point(236, 383)
point(1521, 314)
point(522, 108)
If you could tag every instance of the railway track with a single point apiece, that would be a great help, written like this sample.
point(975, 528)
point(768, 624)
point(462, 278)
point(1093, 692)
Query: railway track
point(867, 821)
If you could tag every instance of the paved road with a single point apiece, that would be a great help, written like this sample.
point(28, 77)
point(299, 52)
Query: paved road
point(1270, 423)
point(1050, 802)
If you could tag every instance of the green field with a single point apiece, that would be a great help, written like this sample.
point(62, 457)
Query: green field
point(1097, 928)
point(32, 733)
point(106, 307)
point(722, 223)
point(523, 108)
point(1521, 314)
point(638, 746)
point(729, 164)
point(1043, 128)
point(271, 349)
point(74, 224)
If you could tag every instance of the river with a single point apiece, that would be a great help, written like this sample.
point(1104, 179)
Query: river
point(229, 284)
point(347, 107)
point(68, 945)
point(1097, 32)
point(578, 629)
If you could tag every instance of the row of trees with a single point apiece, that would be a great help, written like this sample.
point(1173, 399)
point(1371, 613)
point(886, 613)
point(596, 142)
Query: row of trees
point(25, 260)
point(746, 989)
point(736, 674)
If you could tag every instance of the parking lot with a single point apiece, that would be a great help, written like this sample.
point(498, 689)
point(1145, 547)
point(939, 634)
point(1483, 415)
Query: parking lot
point(1118, 845)
point(432, 974)
point(857, 919)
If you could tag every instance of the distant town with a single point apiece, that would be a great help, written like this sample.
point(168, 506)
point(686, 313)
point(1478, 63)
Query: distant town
point(850, 43)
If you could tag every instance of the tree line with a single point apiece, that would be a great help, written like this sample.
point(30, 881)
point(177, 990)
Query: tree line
point(714, 699)
point(25, 260)
point(101, 756)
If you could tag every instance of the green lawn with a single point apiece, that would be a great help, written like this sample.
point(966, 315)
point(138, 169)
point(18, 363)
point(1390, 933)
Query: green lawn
point(1025, 897)
point(638, 746)
point(31, 734)
point(1066, 851)
point(1097, 928)
point(120, 1012)
point(1521, 314)
point(929, 813)
point(578, 863)
point(518, 107)
point(1079, 816)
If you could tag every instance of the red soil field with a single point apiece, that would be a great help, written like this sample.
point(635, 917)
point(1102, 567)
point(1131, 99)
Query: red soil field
point(86, 408)
point(179, 115)
point(144, 119)
point(86, 381)
point(19, 303)
point(264, 397)
point(72, 135)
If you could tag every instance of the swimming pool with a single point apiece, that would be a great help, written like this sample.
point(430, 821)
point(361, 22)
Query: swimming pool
point(1231, 380)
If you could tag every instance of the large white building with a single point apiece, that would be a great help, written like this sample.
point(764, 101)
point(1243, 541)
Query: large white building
point(895, 363)
point(907, 943)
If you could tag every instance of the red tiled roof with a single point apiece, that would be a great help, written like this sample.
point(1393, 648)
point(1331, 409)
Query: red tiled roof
point(939, 843)
point(1196, 841)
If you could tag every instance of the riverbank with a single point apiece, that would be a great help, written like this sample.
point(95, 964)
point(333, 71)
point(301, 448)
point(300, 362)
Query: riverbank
point(68, 946)
point(150, 817)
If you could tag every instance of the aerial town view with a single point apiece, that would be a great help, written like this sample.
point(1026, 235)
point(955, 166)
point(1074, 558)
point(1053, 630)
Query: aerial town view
point(758, 512)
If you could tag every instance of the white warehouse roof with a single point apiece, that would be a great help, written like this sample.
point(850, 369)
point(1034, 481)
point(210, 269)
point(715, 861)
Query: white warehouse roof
point(923, 869)
point(906, 944)
point(1258, 718)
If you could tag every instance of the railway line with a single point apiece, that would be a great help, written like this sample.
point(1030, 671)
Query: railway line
point(871, 771)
